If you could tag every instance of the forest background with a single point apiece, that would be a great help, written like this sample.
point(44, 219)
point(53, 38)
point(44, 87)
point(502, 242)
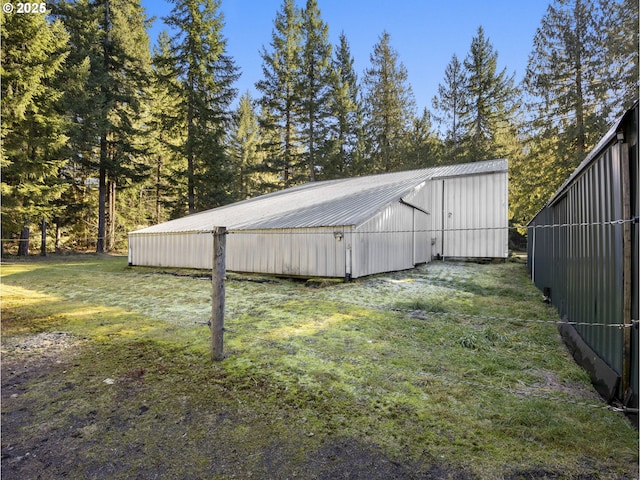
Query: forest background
point(103, 134)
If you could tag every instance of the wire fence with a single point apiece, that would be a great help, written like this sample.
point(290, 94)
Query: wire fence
point(299, 230)
point(521, 391)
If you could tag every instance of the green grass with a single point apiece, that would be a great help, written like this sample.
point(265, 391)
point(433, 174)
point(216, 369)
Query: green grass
point(377, 361)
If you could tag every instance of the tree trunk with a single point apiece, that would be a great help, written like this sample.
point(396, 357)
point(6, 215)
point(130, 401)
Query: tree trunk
point(111, 217)
point(102, 194)
point(23, 244)
point(43, 238)
point(58, 235)
point(104, 154)
point(158, 179)
point(190, 161)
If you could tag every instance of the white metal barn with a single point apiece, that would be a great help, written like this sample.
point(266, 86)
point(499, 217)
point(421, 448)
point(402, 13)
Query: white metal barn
point(345, 228)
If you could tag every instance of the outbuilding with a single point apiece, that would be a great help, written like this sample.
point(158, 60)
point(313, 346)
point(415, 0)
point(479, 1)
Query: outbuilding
point(583, 253)
point(346, 228)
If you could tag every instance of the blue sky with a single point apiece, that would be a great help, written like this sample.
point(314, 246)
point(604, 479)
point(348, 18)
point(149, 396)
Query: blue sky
point(425, 33)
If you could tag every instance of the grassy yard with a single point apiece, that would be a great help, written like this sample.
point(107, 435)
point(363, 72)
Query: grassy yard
point(437, 372)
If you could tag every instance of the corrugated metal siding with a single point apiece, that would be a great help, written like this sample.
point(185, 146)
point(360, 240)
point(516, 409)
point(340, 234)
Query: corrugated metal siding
point(299, 252)
point(348, 201)
point(420, 201)
point(384, 243)
point(304, 252)
point(594, 261)
point(291, 232)
point(187, 250)
point(475, 216)
point(575, 249)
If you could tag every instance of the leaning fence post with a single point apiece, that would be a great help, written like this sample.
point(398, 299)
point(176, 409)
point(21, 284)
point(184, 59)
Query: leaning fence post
point(218, 292)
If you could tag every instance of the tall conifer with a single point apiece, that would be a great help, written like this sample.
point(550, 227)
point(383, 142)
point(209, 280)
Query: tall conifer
point(206, 73)
point(315, 83)
point(389, 107)
point(448, 104)
point(110, 47)
point(490, 100)
point(33, 127)
point(345, 128)
point(280, 100)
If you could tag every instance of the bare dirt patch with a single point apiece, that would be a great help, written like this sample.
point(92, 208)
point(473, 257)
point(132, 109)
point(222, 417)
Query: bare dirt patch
point(80, 443)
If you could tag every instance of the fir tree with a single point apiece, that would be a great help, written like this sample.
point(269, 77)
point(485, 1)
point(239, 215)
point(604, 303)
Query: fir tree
point(622, 39)
point(566, 82)
point(33, 128)
point(315, 78)
point(249, 179)
point(206, 74)
point(423, 146)
point(166, 135)
point(568, 100)
point(389, 107)
point(448, 105)
point(490, 100)
point(345, 129)
point(280, 100)
point(110, 47)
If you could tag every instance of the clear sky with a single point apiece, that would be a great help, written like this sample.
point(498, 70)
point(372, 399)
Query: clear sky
point(425, 33)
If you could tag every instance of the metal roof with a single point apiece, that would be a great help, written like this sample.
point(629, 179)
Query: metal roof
point(349, 201)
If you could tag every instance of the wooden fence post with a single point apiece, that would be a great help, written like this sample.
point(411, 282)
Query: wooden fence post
point(217, 296)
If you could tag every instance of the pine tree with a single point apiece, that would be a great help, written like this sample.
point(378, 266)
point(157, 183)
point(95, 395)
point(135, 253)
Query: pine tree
point(345, 129)
point(280, 100)
point(206, 73)
point(490, 100)
point(33, 51)
point(389, 107)
point(315, 78)
point(448, 105)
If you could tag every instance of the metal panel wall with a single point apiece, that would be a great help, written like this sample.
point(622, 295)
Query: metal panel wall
point(384, 243)
point(305, 252)
point(475, 213)
point(575, 252)
point(420, 199)
point(310, 252)
point(186, 250)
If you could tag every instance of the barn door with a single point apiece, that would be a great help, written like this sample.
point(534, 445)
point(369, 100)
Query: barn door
point(453, 218)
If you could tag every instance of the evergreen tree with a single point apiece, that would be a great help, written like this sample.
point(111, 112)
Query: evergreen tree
point(566, 81)
point(315, 78)
point(166, 136)
point(568, 96)
point(490, 100)
point(423, 146)
point(448, 105)
point(389, 107)
point(249, 177)
point(206, 73)
point(622, 40)
point(33, 51)
point(110, 46)
point(345, 129)
point(280, 100)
